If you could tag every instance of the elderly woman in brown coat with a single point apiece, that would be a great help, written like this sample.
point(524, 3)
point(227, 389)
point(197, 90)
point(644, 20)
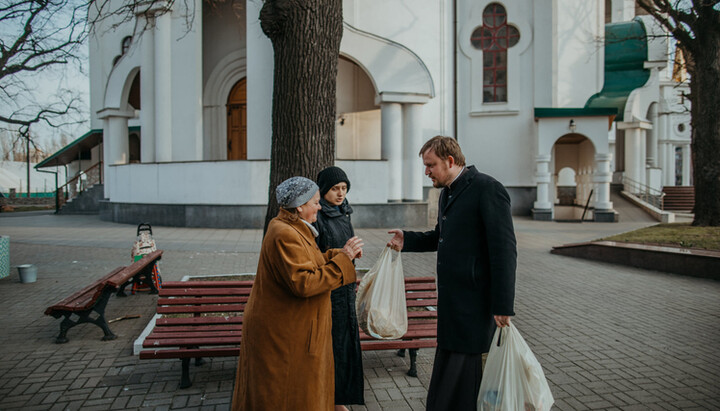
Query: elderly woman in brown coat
point(286, 357)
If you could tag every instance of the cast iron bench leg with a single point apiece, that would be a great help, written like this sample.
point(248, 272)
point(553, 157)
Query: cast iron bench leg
point(401, 353)
point(185, 381)
point(413, 369)
point(99, 308)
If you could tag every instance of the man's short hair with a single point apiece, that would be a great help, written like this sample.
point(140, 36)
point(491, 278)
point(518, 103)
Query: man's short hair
point(443, 148)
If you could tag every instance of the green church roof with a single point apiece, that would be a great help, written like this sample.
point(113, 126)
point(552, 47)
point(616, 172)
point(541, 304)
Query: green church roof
point(626, 51)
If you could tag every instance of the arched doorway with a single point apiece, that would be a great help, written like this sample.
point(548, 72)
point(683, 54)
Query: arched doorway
point(574, 163)
point(237, 122)
point(357, 131)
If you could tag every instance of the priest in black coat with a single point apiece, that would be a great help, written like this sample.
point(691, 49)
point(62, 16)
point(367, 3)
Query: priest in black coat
point(476, 261)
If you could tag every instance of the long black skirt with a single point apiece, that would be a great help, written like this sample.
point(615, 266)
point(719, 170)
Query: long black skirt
point(455, 381)
point(349, 383)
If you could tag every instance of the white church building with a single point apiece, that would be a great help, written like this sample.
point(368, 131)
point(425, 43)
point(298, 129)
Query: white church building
point(556, 99)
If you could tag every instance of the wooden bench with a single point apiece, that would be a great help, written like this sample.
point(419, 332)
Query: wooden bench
point(204, 319)
point(94, 297)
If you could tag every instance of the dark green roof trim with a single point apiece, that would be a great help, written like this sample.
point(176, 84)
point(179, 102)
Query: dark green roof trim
point(92, 138)
point(70, 152)
point(547, 112)
point(626, 51)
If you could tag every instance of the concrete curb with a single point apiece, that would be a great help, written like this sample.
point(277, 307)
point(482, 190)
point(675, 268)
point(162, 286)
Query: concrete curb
point(676, 260)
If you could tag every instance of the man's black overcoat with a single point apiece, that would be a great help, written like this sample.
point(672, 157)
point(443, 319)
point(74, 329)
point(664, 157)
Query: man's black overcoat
point(476, 260)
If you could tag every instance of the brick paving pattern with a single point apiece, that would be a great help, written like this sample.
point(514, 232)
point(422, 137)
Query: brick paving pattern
point(608, 337)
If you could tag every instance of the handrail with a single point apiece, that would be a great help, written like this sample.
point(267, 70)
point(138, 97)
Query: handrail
point(69, 190)
point(72, 180)
point(646, 193)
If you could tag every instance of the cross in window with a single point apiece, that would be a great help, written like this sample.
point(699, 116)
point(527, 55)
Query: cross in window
point(494, 38)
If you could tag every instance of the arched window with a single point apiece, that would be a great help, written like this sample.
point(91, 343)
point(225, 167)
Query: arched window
point(494, 38)
point(125, 46)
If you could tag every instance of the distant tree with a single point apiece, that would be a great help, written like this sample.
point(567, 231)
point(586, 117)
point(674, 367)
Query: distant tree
point(305, 35)
point(695, 24)
point(36, 36)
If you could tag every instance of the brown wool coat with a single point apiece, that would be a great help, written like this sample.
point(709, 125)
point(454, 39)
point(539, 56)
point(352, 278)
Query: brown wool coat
point(286, 358)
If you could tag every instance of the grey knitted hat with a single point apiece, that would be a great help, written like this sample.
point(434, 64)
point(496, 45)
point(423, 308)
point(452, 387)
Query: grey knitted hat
point(295, 191)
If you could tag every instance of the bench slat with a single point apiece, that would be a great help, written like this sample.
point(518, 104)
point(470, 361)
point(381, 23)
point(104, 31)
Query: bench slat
point(190, 342)
point(190, 328)
point(190, 353)
point(201, 300)
point(208, 284)
point(224, 308)
point(193, 334)
point(378, 345)
point(194, 292)
point(234, 319)
point(138, 266)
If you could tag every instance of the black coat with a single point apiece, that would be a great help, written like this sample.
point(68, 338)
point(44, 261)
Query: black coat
point(476, 260)
point(335, 228)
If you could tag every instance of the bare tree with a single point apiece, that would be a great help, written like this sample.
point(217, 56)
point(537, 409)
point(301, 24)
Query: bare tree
point(306, 38)
point(695, 24)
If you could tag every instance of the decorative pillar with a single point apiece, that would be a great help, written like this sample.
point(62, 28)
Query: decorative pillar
point(633, 165)
point(635, 149)
point(542, 208)
point(147, 92)
point(652, 138)
point(602, 180)
point(412, 163)
point(163, 88)
point(391, 132)
point(670, 165)
point(686, 164)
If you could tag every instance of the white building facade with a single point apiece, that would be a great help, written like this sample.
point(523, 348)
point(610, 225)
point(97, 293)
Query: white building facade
point(183, 94)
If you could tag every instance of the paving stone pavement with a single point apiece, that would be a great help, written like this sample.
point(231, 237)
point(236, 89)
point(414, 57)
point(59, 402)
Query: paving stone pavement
point(608, 337)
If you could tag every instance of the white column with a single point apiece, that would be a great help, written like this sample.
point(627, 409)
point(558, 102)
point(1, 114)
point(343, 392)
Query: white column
point(412, 163)
point(163, 89)
point(542, 180)
point(391, 132)
point(260, 66)
point(602, 179)
point(147, 93)
point(651, 152)
point(115, 141)
point(686, 165)
point(634, 166)
point(670, 164)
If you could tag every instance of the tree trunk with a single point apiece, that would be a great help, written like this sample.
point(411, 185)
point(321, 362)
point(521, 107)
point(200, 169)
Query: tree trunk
point(705, 112)
point(306, 41)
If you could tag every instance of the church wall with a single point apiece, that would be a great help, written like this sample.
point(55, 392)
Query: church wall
point(498, 138)
point(259, 85)
point(223, 33)
point(425, 28)
point(579, 52)
point(102, 50)
point(186, 78)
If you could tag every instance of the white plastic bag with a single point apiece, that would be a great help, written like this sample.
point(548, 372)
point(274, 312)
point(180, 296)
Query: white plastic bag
point(513, 379)
point(380, 304)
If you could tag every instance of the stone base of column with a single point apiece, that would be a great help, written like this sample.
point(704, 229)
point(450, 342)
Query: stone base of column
point(605, 216)
point(541, 214)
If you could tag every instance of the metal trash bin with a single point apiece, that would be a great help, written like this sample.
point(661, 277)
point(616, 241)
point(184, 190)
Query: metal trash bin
point(4, 256)
point(28, 273)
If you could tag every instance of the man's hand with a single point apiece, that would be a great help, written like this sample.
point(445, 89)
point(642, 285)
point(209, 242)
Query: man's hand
point(502, 320)
point(396, 243)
